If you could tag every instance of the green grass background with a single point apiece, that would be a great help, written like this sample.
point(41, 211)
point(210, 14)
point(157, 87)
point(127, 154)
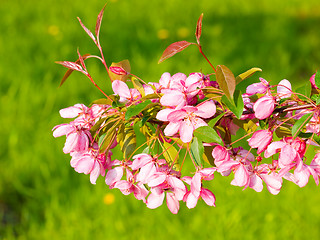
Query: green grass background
point(42, 197)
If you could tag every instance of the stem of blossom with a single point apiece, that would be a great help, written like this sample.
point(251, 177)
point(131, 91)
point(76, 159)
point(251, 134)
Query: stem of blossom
point(147, 142)
point(176, 157)
point(200, 49)
point(91, 79)
point(184, 158)
point(239, 139)
point(290, 118)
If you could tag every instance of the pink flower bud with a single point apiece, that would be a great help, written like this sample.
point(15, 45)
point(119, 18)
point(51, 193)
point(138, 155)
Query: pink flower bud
point(118, 70)
point(264, 107)
point(284, 89)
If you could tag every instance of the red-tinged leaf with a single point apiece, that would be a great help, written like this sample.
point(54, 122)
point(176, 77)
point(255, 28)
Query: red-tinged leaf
point(226, 80)
point(68, 73)
point(87, 30)
point(173, 49)
point(98, 24)
point(199, 29)
point(71, 65)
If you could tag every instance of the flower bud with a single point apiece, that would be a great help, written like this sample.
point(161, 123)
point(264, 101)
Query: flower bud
point(118, 70)
point(264, 107)
point(313, 81)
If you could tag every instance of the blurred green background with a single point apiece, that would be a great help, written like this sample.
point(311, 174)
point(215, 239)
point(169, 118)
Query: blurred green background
point(42, 197)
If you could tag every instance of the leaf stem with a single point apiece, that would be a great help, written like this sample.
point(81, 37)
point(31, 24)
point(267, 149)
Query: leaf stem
point(200, 50)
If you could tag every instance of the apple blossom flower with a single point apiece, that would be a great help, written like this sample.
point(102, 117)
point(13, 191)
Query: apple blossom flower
point(164, 183)
point(130, 186)
point(186, 119)
point(260, 87)
point(197, 191)
point(126, 94)
point(77, 140)
point(90, 162)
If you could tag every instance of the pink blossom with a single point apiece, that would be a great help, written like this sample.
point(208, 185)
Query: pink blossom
point(220, 154)
point(73, 111)
point(264, 107)
point(164, 183)
point(288, 156)
point(90, 162)
point(114, 175)
point(126, 94)
point(260, 139)
point(78, 140)
point(256, 88)
point(130, 186)
point(186, 119)
point(180, 90)
point(197, 191)
point(263, 173)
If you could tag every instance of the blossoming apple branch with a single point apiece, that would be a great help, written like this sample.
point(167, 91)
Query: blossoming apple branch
point(197, 117)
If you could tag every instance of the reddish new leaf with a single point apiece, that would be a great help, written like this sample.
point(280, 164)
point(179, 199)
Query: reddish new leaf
point(68, 73)
point(199, 29)
point(71, 65)
point(87, 30)
point(98, 24)
point(173, 49)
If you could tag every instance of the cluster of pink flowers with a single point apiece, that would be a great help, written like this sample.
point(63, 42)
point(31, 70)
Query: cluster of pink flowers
point(192, 118)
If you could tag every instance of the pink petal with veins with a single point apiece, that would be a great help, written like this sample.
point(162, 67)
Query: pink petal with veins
point(172, 203)
point(206, 109)
point(121, 89)
point(186, 131)
point(172, 128)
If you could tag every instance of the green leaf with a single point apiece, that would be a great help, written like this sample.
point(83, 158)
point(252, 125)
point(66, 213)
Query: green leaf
point(316, 98)
point(305, 135)
point(304, 90)
point(128, 142)
point(300, 124)
point(207, 134)
point(226, 80)
point(213, 122)
point(170, 154)
point(137, 85)
point(317, 79)
point(103, 101)
point(106, 140)
point(197, 151)
point(316, 138)
point(236, 105)
point(136, 109)
point(247, 74)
